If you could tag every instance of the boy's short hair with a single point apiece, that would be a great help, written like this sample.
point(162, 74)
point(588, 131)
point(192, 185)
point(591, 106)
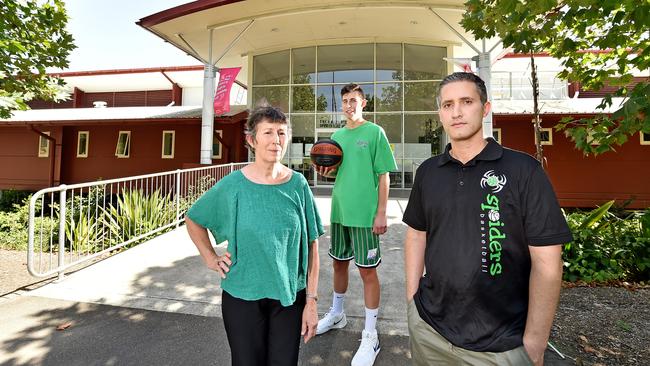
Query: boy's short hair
point(352, 87)
point(465, 76)
point(264, 113)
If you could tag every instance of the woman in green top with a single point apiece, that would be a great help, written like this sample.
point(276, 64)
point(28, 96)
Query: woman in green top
point(269, 272)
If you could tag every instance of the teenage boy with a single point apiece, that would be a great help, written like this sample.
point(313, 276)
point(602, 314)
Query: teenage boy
point(358, 216)
point(486, 227)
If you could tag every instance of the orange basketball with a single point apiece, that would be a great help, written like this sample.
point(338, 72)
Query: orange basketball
point(326, 153)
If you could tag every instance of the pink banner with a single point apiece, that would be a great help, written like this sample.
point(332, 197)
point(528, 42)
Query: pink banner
point(222, 95)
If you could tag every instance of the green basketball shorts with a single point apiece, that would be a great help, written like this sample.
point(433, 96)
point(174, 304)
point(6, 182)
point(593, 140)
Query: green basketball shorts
point(359, 243)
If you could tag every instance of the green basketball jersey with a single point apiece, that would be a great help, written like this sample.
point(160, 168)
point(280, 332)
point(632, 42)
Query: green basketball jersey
point(366, 155)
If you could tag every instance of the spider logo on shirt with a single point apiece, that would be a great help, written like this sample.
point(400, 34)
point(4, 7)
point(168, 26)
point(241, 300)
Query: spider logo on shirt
point(495, 182)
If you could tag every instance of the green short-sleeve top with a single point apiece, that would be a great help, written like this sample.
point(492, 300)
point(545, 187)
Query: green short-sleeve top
point(268, 228)
point(366, 155)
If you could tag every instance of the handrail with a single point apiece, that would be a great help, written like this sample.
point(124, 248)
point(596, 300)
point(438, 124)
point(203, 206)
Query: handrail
point(73, 224)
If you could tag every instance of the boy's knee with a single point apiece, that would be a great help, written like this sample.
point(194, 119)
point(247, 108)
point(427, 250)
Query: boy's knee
point(340, 266)
point(368, 274)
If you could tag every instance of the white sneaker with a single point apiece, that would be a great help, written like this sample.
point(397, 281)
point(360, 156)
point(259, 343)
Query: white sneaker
point(331, 321)
point(368, 349)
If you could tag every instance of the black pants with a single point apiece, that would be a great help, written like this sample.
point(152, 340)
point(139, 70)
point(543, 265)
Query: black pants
point(263, 332)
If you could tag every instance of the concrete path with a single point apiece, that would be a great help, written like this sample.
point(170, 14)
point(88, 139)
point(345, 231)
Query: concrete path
point(157, 304)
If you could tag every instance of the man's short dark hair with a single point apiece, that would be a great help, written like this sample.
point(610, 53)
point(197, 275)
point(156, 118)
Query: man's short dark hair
point(352, 87)
point(264, 113)
point(465, 76)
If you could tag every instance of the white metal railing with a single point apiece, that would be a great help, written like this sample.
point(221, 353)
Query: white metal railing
point(517, 85)
point(72, 224)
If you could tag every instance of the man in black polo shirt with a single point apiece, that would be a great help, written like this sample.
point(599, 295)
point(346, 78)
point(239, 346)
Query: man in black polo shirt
point(485, 224)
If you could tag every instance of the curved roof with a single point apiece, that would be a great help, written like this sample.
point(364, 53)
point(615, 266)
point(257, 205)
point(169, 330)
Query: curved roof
point(280, 24)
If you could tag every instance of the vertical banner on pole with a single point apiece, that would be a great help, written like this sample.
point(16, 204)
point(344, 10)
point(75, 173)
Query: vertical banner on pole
point(222, 95)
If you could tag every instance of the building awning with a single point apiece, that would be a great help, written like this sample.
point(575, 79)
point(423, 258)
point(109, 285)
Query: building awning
point(71, 115)
point(280, 24)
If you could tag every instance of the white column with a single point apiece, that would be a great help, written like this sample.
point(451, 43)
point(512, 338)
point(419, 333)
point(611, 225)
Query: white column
point(207, 117)
point(484, 72)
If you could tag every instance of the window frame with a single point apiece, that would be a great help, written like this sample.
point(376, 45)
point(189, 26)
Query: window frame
point(173, 150)
point(127, 145)
point(79, 133)
point(45, 154)
point(498, 131)
point(548, 142)
point(218, 156)
point(642, 140)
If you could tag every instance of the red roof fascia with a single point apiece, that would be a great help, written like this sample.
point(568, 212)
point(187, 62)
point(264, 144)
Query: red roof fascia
point(182, 10)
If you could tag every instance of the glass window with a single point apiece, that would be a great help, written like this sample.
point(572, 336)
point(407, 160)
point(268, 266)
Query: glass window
point(645, 138)
point(546, 136)
point(389, 61)
point(302, 138)
point(123, 148)
point(392, 125)
point(330, 120)
point(82, 144)
point(304, 65)
point(422, 135)
point(389, 97)
point(216, 144)
point(43, 146)
point(329, 98)
point(424, 62)
point(271, 68)
point(277, 96)
point(420, 96)
point(496, 133)
point(302, 98)
point(168, 138)
point(346, 63)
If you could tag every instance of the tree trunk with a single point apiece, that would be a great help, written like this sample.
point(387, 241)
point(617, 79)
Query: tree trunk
point(537, 122)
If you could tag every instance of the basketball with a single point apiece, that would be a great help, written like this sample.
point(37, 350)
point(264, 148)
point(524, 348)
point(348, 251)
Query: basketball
point(326, 153)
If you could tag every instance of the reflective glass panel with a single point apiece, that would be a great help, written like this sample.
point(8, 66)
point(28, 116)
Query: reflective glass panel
point(277, 96)
point(389, 97)
point(271, 68)
point(392, 125)
point(302, 138)
point(303, 98)
point(330, 120)
point(389, 61)
point(304, 65)
point(345, 63)
point(422, 136)
point(424, 62)
point(420, 96)
point(328, 98)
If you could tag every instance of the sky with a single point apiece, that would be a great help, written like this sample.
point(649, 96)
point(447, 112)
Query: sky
point(107, 37)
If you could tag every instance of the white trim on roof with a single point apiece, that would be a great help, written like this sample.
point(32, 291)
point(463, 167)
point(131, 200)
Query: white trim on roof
point(112, 113)
point(563, 106)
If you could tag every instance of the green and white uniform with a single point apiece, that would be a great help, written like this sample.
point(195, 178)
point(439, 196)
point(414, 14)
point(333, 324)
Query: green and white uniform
point(366, 155)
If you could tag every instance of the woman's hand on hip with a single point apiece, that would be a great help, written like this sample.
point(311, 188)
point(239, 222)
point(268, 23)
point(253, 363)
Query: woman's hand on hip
point(220, 263)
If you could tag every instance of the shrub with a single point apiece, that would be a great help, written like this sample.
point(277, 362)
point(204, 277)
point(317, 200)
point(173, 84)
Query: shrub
point(14, 227)
point(137, 214)
point(608, 247)
point(10, 198)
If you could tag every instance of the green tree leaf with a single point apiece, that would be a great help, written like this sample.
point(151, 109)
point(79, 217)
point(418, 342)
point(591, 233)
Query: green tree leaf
point(33, 38)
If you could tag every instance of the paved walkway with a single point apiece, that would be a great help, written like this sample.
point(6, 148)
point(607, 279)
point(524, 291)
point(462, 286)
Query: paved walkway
point(158, 304)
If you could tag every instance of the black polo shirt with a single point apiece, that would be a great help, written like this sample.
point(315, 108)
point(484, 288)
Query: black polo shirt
point(480, 218)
